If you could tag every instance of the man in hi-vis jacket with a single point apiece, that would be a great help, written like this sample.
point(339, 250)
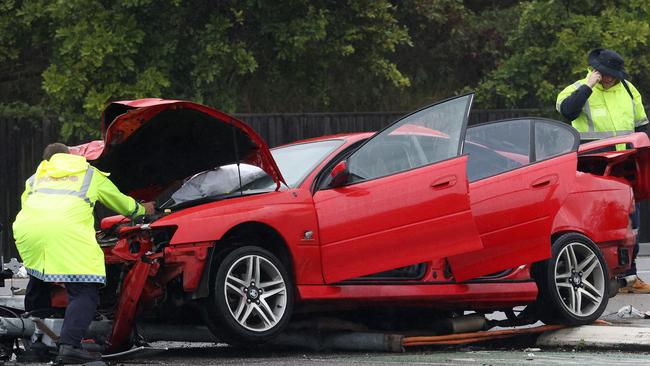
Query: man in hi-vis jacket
point(605, 104)
point(55, 236)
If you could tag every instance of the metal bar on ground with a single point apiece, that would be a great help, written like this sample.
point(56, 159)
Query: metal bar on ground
point(472, 337)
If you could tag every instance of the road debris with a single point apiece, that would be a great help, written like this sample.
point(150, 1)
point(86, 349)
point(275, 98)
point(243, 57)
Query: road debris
point(629, 311)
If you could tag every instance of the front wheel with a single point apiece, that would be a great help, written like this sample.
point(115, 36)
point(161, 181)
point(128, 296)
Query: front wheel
point(574, 283)
point(252, 297)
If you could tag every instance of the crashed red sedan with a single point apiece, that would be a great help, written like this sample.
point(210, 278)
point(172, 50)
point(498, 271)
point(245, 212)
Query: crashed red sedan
point(427, 213)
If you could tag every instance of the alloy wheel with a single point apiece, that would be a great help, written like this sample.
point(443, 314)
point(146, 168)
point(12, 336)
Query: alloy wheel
point(579, 279)
point(256, 293)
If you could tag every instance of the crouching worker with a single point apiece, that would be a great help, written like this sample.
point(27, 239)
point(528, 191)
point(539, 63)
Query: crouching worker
point(55, 236)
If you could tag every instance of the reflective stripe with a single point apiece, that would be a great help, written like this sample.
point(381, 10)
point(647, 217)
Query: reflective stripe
point(641, 122)
point(82, 193)
point(87, 278)
point(31, 181)
point(88, 177)
point(64, 192)
point(135, 211)
point(603, 134)
point(590, 121)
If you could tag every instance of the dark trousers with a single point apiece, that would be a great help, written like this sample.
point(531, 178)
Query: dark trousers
point(636, 222)
point(83, 299)
point(37, 295)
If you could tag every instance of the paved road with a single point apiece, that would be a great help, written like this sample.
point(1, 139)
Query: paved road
point(511, 352)
point(425, 356)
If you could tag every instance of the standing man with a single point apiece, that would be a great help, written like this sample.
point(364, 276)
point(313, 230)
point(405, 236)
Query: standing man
point(55, 236)
point(604, 105)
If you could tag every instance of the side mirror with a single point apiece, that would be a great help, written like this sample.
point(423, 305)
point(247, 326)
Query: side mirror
point(339, 174)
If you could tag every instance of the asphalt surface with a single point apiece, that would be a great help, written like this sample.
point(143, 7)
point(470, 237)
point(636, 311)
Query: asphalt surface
point(516, 351)
point(425, 356)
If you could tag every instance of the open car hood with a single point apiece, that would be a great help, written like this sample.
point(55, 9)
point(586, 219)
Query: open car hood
point(150, 144)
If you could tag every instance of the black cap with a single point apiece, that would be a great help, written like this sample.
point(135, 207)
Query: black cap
point(607, 62)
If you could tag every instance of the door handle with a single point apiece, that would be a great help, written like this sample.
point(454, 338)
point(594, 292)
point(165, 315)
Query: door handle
point(444, 182)
point(540, 184)
point(544, 181)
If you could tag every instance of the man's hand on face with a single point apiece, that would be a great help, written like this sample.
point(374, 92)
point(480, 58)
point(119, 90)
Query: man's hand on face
point(149, 208)
point(594, 78)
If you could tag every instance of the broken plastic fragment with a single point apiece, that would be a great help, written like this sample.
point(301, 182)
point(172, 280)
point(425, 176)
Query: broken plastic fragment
point(629, 311)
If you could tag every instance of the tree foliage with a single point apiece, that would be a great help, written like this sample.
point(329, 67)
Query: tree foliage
point(235, 55)
point(70, 57)
point(548, 49)
point(455, 44)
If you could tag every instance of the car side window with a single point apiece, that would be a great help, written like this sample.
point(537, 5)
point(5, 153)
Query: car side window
point(552, 139)
point(430, 135)
point(495, 148)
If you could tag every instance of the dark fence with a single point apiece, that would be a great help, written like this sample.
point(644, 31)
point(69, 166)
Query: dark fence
point(22, 142)
point(21, 148)
point(279, 129)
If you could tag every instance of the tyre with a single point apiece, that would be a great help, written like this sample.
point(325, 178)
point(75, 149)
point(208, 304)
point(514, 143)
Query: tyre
point(252, 297)
point(574, 283)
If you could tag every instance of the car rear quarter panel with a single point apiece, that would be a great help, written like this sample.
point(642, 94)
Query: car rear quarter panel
point(598, 207)
point(289, 212)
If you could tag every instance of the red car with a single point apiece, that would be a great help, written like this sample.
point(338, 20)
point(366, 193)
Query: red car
point(426, 213)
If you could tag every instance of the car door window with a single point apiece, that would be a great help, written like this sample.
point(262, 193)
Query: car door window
point(501, 146)
point(497, 147)
point(553, 138)
point(427, 136)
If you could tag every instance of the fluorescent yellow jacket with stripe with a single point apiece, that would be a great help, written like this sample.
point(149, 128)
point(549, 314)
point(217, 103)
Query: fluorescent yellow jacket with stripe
point(606, 113)
point(54, 230)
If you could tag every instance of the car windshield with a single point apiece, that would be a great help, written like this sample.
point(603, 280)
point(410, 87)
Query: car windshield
point(296, 162)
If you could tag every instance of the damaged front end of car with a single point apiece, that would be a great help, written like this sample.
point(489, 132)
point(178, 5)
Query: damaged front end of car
point(145, 275)
point(178, 154)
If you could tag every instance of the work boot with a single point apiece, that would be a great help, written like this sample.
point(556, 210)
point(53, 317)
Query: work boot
point(638, 287)
point(36, 352)
point(73, 355)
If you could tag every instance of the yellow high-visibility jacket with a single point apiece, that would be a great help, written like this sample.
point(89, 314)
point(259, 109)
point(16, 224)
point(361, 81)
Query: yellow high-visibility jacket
point(54, 230)
point(606, 113)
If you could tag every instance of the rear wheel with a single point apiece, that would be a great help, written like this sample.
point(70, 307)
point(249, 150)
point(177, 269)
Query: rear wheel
point(574, 283)
point(252, 297)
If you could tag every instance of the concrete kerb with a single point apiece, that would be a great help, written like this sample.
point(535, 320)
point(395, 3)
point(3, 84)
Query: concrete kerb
point(597, 336)
point(644, 249)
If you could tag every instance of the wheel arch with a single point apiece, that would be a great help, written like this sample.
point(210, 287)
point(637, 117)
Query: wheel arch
point(535, 268)
point(556, 235)
point(262, 235)
point(240, 235)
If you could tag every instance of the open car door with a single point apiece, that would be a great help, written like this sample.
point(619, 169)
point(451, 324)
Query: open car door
point(520, 172)
point(632, 164)
point(405, 200)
